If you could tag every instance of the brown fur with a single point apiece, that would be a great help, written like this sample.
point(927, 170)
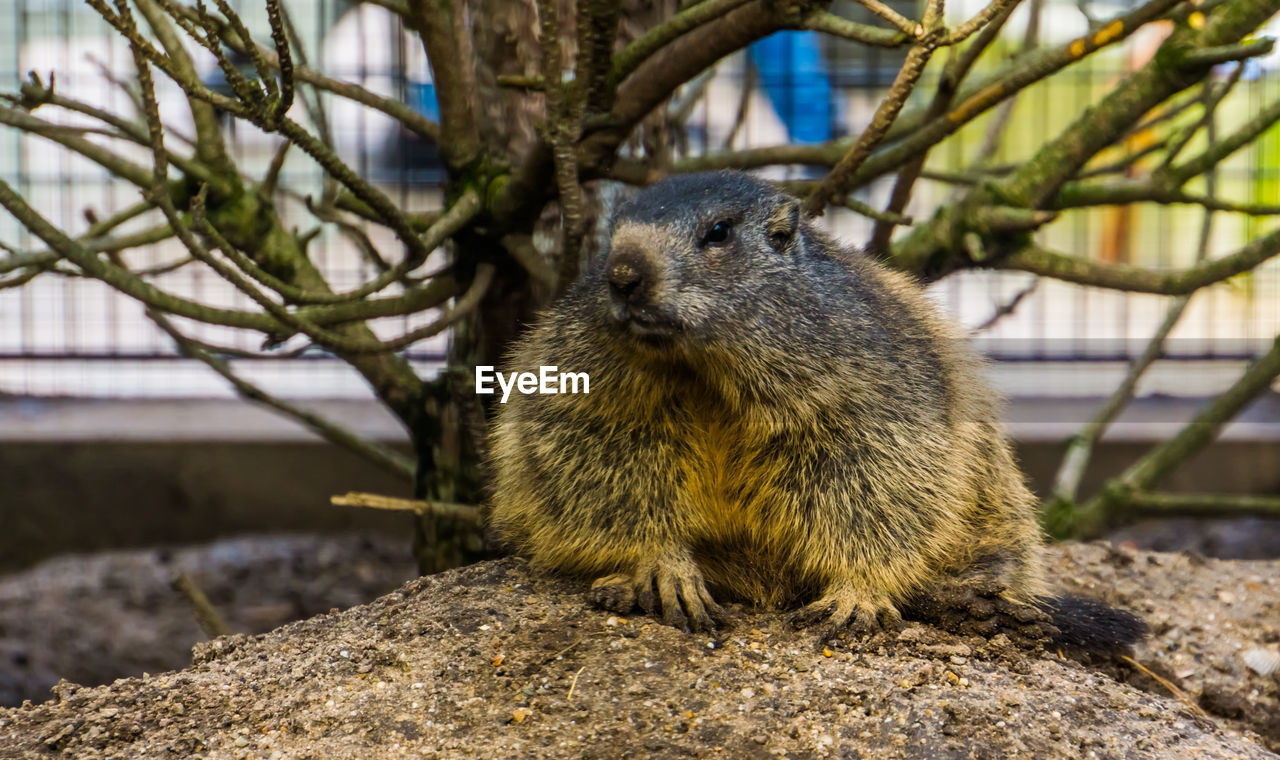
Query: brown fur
point(804, 429)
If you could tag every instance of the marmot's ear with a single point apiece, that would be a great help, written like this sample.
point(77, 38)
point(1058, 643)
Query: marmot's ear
point(783, 223)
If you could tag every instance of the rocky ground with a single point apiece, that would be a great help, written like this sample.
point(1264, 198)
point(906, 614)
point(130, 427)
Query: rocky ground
point(490, 661)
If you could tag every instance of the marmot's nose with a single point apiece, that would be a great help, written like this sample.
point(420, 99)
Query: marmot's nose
point(625, 281)
point(630, 274)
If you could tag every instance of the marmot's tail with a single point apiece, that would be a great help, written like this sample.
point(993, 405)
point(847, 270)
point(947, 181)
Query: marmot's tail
point(1093, 625)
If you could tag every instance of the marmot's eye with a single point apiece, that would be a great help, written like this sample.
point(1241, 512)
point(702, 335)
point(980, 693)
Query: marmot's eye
point(718, 233)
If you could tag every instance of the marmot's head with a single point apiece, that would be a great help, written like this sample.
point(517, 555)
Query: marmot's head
point(696, 258)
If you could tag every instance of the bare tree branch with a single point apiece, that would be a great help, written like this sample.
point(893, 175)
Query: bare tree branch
point(1214, 154)
point(839, 180)
point(210, 147)
point(991, 140)
point(1079, 450)
point(681, 60)
point(1210, 97)
point(911, 133)
point(1061, 510)
point(95, 244)
point(1206, 504)
point(830, 23)
point(34, 94)
point(641, 50)
point(566, 107)
point(597, 31)
point(464, 512)
point(1156, 464)
point(904, 24)
point(1136, 279)
point(1122, 192)
point(952, 75)
point(441, 25)
point(1175, 70)
point(122, 280)
point(206, 616)
point(997, 9)
point(396, 109)
point(112, 162)
point(384, 457)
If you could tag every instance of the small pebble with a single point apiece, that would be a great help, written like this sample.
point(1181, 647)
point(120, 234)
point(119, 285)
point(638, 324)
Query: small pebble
point(1264, 662)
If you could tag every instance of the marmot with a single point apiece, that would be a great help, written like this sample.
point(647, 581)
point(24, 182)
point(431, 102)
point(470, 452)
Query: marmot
point(771, 418)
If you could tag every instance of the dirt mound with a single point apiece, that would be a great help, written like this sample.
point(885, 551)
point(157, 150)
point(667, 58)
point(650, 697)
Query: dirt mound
point(93, 618)
point(491, 661)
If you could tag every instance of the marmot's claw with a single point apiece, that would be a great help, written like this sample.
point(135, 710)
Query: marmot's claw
point(645, 598)
point(718, 614)
point(705, 616)
point(849, 611)
point(673, 616)
point(683, 594)
point(673, 587)
point(810, 615)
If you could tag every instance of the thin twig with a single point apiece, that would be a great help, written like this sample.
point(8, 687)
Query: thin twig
point(1170, 686)
point(398, 110)
point(994, 135)
point(121, 279)
point(995, 9)
point(1210, 97)
point(911, 133)
point(417, 506)
point(1193, 436)
point(906, 25)
point(280, 39)
point(1076, 459)
point(574, 684)
point(748, 88)
point(1080, 449)
point(829, 23)
point(1205, 503)
point(206, 616)
point(1006, 308)
point(22, 278)
point(44, 259)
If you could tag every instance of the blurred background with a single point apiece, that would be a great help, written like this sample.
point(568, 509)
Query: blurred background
point(110, 441)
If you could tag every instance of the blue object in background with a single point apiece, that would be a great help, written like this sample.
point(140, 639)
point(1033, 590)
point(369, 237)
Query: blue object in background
point(794, 75)
point(422, 98)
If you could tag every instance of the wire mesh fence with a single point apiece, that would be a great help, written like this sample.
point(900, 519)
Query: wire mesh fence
point(71, 335)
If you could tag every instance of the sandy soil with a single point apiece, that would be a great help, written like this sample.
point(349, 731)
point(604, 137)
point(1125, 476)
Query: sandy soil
point(489, 661)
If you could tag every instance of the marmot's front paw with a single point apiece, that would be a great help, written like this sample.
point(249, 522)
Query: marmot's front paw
point(672, 584)
point(613, 592)
point(848, 609)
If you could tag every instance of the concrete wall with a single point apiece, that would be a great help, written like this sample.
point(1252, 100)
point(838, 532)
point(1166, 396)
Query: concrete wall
point(87, 475)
